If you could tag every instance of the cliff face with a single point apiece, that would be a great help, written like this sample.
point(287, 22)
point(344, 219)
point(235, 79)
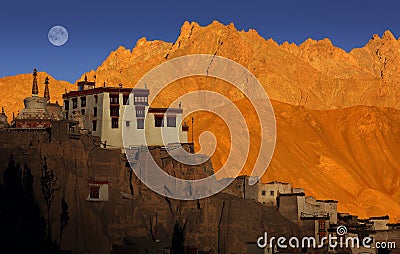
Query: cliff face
point(352, 151)
point(221, 222)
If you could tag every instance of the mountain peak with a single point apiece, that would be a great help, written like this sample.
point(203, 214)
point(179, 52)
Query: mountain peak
point(388, 36)
point(141, 42)
point(310, 41)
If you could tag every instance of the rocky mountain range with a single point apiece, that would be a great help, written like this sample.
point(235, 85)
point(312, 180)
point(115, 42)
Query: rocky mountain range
point(337, 112)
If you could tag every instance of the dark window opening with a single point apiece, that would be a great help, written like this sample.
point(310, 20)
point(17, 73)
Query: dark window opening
point(125, 99)
point(114, 123)
point(96, 98)
point(263, 192)
point(95, 111)
point(114, 98)
point(83, 112)
point(159, 121)
point(140, 123)
point(321, 225)
point(271, 193)
point(83, 101)
point(94, 125)
point(74, 103)
point(171, 121)
point(95, 192)
point(114, 111)
point(127, 123)
point(66, 104)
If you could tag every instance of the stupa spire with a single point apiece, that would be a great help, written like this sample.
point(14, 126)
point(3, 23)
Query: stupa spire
point(46, 89)
point(35, 90)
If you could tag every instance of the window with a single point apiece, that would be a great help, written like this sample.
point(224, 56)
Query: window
point(125, 99)
point(171, 121)
point(83, 101)
point(74, 103)
point(263, 192)
point(159, 121)
point(94, 192)
point(66, 104)
point(140, 112)
point(140, 99)
point(96, 98)
point(321, 224)
point(140, 123)
point(271, 193)
point(95, 111)
point(114, 98)
point(114, 111)
point(94, 125)
point(83, 112)
point(127, 123)
point(114, 123)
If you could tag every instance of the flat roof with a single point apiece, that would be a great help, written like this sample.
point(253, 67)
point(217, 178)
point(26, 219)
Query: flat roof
point(98, 90)
point(164, 110)
point(328, 201)
point(277, 182)
point(386, 217)
point(301, 194)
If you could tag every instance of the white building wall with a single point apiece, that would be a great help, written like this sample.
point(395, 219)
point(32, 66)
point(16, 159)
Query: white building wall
point(164, 135)
point(380, 224)
point(113, 137)
point(271, 191)
point(131, 134)
point(301, 206)
point(329, 208)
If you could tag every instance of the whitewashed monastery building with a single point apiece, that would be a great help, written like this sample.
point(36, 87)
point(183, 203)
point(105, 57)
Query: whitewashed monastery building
point(101, 110)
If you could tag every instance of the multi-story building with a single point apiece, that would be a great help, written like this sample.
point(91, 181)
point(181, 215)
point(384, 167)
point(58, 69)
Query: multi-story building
point(314, 216)
point(268, 192)
point(121, 117)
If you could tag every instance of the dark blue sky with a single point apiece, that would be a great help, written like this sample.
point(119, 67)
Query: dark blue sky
point(97, 27)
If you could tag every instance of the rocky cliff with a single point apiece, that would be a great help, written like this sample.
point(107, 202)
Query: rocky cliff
point(133, 220)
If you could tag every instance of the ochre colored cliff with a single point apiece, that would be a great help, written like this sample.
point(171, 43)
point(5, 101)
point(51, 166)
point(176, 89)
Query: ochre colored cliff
point(337, 111)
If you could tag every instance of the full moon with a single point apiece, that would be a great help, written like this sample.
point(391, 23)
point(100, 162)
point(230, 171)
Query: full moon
point(58, 35)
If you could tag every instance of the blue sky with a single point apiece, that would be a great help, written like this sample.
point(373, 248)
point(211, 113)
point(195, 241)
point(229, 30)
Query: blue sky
point(98, 27)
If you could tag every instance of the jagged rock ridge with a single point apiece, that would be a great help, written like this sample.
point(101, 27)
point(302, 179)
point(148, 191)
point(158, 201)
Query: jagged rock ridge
point(312, 76)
